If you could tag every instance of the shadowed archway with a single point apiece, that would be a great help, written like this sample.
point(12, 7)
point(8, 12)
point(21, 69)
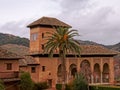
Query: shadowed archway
point(59, 74)
point(105, 73)
point(97, 73)
point(73, 70)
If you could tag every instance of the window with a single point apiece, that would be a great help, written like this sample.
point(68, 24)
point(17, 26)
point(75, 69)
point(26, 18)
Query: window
point(42, 46)
point(9, 66)
point(34, 36)
point(43, 68)
point(42, 35)
point(33, 69)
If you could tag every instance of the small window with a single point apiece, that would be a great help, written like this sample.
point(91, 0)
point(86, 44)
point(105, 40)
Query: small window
point(42, 35)
point(9, 66)
point(43, 68)
point(33, 69)
point(34, 36)
point(42, 46)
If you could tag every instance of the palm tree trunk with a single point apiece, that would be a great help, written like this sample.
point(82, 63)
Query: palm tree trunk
point(63, 69)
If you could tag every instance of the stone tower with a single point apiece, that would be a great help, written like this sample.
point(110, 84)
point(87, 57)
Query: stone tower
point(38, 30)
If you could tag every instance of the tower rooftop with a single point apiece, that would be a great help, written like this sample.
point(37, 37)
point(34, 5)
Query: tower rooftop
point(48, 21)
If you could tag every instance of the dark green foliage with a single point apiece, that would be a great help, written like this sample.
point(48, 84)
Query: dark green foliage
point(80, 83)
point(2, 85)
point(68, 87)
point(58, 86)
point(26, 81)
point(40, 86)
point(104, 88)
point(11, 39)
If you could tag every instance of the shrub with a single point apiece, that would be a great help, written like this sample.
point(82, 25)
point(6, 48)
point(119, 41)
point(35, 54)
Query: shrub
point(40, 86)
point(58, 86)
point(68, 87)
point(26, 81)
point(80, 83)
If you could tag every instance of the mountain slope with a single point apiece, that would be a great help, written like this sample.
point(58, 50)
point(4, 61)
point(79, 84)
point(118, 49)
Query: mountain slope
point(18, 49)
point(11, 39)
point(114, 47)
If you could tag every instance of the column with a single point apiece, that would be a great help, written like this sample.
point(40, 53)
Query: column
point(101, 70)
point(101, 78)
point(111, 68)
point(92, 70)
point(78, 65)
point(67, 70)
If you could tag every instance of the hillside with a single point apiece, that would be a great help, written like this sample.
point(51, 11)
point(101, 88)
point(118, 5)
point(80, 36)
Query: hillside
point(11, 39)
point(18, 49)
point(115, 47)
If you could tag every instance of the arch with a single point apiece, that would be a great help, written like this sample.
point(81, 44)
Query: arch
point(59, 74)
point(86, 70)
point(105, 73)
point(73, 70)
point(85, 63)
point(59, 71)
point(96, 73)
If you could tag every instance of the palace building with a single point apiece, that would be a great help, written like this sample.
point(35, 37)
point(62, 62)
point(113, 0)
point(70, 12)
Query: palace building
point(96, 62)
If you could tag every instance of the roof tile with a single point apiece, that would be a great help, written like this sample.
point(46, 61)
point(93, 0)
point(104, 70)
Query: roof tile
point(48, 21)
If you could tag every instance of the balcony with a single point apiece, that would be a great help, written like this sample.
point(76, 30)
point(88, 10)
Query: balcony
point(9, 75)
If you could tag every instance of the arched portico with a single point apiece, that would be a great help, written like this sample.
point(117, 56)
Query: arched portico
point(97, 73)
point(106, 73)
point(86, 70)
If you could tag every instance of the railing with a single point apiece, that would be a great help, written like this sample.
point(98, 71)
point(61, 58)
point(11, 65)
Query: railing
point(9, 75)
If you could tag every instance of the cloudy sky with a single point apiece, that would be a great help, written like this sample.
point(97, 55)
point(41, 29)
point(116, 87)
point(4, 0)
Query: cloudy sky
point(96, 20)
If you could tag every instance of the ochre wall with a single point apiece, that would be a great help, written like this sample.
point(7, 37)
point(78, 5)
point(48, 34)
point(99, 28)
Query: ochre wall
point(15, 65)
point(35, 46)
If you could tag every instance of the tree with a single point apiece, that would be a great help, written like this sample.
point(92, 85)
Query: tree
point(62, 40)
point(26, 81)
point(80, 82)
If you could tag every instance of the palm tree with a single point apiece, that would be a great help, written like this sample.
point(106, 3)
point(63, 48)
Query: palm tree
point(62, 40)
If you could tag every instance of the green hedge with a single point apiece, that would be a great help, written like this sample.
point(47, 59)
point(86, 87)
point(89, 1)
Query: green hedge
point(40, 86)
point(59, 87)
point(104, 88)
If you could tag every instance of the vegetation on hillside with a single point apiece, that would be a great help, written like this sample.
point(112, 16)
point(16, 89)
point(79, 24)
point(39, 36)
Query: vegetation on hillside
point(11, 39)
point(18, 49)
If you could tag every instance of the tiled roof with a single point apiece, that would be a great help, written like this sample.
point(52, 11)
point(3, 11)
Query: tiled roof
point(48, 21)
point(27, 60)
point(4, 54)
point(96, 50)
point(88, 50)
